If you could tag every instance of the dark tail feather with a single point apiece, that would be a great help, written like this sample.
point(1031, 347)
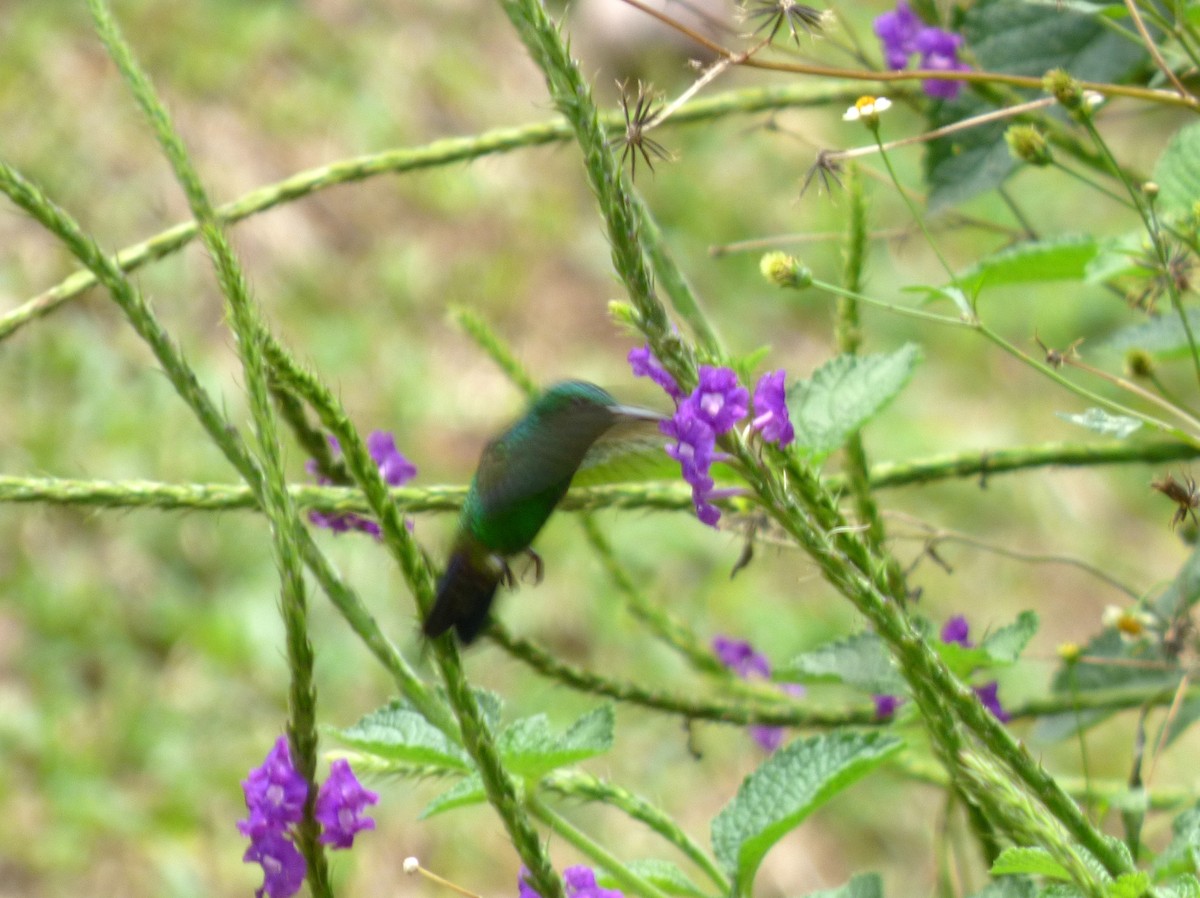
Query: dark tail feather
point(464, 597)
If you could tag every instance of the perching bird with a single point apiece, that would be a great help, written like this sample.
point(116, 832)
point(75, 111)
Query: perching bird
point(522, 476)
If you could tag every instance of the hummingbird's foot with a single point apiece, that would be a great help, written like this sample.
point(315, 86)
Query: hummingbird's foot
point(539, 567)
point(507, 577)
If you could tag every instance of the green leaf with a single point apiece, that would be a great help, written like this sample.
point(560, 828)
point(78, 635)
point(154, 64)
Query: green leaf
point(1005, 645)
point(1008, 887)
point(1100, 421)
point(1187, 714)
point(1184, 590)
point(861, 661)
point(1183, 853)
point(465, 792)
point(1177, 173)
point(1163, 336)
point(1061, 259)
point(1184, 886)
point(1128, 885)
point(1029, 862)
point(662, 874)
point(845, 393)
point(530, 749)
point(1019, 38)
point(1134, 665)
point(398, 732)
point(863, 885)
point(786, 788)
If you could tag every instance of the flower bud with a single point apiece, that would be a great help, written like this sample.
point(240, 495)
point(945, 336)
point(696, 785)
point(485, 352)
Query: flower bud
point(783, 270)
point(1139, 364)
point(1027, 144)
point(1064, 88)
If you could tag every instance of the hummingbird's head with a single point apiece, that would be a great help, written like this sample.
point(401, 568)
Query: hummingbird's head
point(580, 401)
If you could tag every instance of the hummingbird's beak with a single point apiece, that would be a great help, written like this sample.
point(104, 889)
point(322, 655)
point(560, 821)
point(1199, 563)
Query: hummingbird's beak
point(633, 413)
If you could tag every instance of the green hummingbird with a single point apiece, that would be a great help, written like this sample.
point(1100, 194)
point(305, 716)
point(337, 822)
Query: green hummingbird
point(522, 475)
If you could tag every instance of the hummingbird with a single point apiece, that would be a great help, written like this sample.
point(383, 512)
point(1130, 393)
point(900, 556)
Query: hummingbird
point(522, 475)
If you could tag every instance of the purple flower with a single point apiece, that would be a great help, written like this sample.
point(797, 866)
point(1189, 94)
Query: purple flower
point(991, 700)
point(719, 400)
point(340, 804)
point(275, 793)
point(393, 466)
point(903, 34)
point(283, 865)
point(957, 630)
point(740, 657)
point(695, 450)
point(644, 364)
point(886, 706)
point(580, 882)
point(770, 408)
point(897, 31)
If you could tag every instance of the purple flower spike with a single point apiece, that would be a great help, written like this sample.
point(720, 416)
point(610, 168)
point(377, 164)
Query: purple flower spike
point(988, 695)
point(283, 865)
point(580, 882)
point(957, 630)
point(719, 400)
point(897, 31)
point(886, 706)
point(340, 805)
point(903, 35)
point(740, 657)
point(395, 468)
point(770, 408)
point(644, 364)
point(275, 793)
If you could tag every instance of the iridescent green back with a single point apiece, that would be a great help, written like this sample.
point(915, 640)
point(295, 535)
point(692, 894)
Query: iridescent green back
point(525, 472)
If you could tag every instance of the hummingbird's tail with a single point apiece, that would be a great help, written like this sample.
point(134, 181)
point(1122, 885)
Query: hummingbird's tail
point(464, 595)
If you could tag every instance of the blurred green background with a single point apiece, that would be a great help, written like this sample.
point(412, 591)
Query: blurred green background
point(141, 661)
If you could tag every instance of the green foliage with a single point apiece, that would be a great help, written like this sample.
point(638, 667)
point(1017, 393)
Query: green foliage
point(1177, 172)
point(787, 787)
point(845, 393)
point(663, 874)
point(864, 885)
point(1061, 259)
point(861, 661)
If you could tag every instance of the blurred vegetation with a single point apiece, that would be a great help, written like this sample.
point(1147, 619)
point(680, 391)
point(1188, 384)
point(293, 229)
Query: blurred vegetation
point(141, 661)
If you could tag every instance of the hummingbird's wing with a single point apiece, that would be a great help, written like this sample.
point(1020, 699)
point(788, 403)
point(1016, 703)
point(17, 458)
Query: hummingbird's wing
point(629, 451)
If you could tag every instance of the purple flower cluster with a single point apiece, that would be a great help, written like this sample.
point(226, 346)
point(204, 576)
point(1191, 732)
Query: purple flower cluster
point(580, 882)
point(741, 658)
point(395, 468)
point(955, 631)
point(275, 795)
point(902, 34)
point(717, 404)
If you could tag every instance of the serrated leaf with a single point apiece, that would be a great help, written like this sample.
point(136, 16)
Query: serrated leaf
point(786, 788)
point(1183, 852)
point(953, 294)
point(863, 885)
point(1060, 259)
point(1134, 665)
point(1163, 336)
point(465, 792)
point(663, 874)
point(1029, 862)
point(1186, 715)
point(1100, 421)
point(400, 733)
point(1177, 173)
point(861, 661)
point(1023, 39)
point(1008, 887)
point(529, 748)
point(845, 393)
point(1184, 590)
point(1128, 885)
point(1184, 886)
point(1006, 643)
